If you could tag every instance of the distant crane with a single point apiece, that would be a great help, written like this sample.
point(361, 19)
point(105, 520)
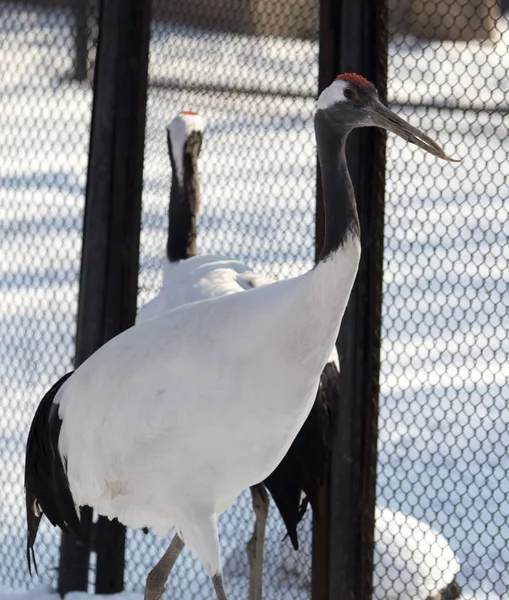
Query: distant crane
point(136, 434)
point(188, 278)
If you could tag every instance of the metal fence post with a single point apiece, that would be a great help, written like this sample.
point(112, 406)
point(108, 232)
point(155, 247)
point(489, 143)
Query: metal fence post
point(353, 38)
point(80, 39)
point(109, 267)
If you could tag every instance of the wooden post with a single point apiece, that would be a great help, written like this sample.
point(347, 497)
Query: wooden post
point(353, 38)
point(109, 267)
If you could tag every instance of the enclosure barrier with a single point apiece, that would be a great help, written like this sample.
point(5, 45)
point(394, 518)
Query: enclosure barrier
point(437, 519)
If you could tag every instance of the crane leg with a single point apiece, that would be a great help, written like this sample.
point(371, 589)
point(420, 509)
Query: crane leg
point(256, 545)
point(218, 582)
point(158, 576)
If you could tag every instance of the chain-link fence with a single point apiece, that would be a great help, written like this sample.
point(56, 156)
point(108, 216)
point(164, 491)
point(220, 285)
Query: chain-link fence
point(443, 442)
point(250, 68)
point(44, 133)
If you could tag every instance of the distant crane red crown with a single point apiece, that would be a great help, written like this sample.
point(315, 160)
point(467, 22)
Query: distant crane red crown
point(188, 112)
point(357, 80)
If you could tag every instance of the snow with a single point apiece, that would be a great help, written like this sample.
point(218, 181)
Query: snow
point(412, 562)
point(45, 592)
point(443, 448)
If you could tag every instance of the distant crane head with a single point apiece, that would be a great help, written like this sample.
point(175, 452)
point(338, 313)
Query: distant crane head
point(184, 137)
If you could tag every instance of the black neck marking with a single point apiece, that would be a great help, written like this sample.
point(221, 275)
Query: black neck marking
point(184, 202)
point(341, 219)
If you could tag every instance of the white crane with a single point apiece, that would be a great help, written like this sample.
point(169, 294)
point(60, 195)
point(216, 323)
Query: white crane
point(169, 421)
point(188, 278)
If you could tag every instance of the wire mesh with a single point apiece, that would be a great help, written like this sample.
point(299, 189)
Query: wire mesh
point(443, 443)
point(250, 68)
point(44, 124)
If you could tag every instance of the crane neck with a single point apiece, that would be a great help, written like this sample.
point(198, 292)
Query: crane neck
point(341, 218)
point(327, 287)
point(184, 207)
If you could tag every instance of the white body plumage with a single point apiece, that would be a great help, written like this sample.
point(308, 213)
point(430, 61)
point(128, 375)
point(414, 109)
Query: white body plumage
point(199, 278)
point(168, 422)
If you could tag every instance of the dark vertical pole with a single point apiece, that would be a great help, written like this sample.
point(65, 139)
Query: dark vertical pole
point(353, 38)
point(80, 39)
point(109, 267)
point(328, 70)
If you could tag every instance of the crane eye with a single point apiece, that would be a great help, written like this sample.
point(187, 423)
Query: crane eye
point(348, 93)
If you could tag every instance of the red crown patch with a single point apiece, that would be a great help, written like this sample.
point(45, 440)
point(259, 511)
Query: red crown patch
point(357, 80)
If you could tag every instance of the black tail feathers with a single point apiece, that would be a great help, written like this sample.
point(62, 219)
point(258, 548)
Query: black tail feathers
point(304, 469)
point(46, 485)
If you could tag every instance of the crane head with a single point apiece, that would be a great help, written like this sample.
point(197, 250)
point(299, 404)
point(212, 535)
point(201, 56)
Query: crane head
point(352, 101)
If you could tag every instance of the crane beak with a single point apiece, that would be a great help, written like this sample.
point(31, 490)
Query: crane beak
point(385, 118)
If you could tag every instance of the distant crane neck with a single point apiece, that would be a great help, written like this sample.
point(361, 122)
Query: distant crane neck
point(341, 218)
point(183, 210)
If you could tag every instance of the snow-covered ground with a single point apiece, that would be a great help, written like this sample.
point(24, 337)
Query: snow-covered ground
point(443, 407)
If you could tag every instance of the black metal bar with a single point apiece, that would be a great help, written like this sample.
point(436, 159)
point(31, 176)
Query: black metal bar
point(219, 88)
point(501, 109)
point(328, 69)
point(211, 88)
point(353, 38)
point(80, 39)
point(75, 559)
point(109, 267)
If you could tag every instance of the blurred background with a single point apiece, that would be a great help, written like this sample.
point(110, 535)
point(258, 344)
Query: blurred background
point(250, 68)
